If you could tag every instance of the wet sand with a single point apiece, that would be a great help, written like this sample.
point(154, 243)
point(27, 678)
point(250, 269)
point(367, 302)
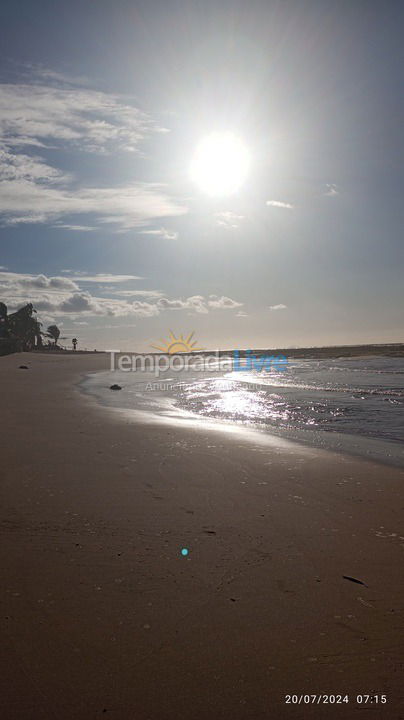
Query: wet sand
point(101, 615)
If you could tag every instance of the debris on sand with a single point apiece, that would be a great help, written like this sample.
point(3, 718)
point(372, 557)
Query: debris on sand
point(115, 387)
point(352, 579)
point(367, 604)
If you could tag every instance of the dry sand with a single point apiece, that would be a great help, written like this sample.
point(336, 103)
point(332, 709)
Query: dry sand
point(100, 614)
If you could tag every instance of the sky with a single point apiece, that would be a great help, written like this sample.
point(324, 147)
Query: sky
point(104, 225)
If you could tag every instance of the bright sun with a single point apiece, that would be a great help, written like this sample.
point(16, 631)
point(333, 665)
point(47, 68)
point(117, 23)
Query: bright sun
point(220, 164)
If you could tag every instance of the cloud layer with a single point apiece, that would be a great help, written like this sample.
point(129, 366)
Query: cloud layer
point(57, 297)
point(228, 220)
point(42, 115)
point(39, 118)
point(279, 204)
point(281, 306)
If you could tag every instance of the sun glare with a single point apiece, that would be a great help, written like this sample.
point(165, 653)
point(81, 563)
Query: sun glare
point(220, 164)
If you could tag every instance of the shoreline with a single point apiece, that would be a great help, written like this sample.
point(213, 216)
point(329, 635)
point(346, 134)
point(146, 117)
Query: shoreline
point(378, 450)
point(102, 614)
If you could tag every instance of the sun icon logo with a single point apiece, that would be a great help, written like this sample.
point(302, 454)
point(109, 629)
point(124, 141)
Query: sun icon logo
point(179, 344)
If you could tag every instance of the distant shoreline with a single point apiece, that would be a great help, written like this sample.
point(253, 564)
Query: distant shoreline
point(329, 351)
point(387, 349)
point(336, 351)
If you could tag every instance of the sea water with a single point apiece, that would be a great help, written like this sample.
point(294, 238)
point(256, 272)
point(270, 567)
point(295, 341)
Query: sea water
point(356, 405)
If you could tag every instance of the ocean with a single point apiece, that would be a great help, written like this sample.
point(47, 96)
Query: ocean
point(351, 405)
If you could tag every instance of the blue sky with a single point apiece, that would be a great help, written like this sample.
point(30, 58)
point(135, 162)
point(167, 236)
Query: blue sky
point(102, 106)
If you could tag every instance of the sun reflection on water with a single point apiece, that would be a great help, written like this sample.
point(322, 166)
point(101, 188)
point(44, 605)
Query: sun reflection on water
point(223, 398)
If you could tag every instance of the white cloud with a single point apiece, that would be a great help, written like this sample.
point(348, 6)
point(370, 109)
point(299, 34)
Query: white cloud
point(144, 309)
point(278, 307)
point(228, 220)
point(26, 201)
point(241, 314)
point(195, 303)
point(42, 114)
point(22, 282)
point(223, 302)
point(43, 73)
point(115, 327)
point(83, 303)
point(161, 232)
point(102, 277)
point(20, 167)
point(76, 303)
point(50, 117)
point(76, 228)
point(137, 293)
point(332, 190)
point(279, 204)
point(56, 297)
point(52, 283)
point(199, 304)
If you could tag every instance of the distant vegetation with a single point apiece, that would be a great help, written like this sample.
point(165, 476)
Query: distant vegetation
point(21, 331)
point(53, 332)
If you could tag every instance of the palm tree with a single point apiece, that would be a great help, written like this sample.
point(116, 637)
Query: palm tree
point(3, 320)
point(19, 331)
point(24, 329)
point(53, 332)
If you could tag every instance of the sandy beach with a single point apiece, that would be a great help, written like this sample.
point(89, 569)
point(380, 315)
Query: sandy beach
point(101, 615)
